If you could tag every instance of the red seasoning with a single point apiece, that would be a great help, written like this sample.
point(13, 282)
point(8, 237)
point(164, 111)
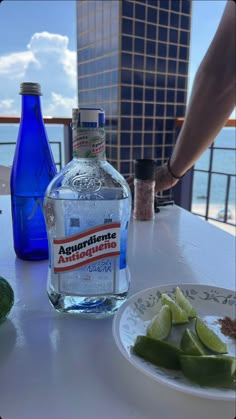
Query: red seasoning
point(228, 326)
point(144, 189)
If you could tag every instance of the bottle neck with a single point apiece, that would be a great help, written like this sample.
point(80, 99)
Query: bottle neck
point(31, 107)
point(89, 143)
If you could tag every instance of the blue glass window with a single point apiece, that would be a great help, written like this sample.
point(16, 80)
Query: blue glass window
point(127, 26)
point(163, 4)
point(148, 124)
point(169, 123)
point(183, 67)
point(162, 34)
point(174, 36)
point(150, 79)
point(139, 28)
point(161, 65)
point(181, 82)
point(183, 53)
point(170, 97)
point(174, 20)
point(148, 109)
point(137, 139)
point(159, 124)
point(180, 96)
point(163, 18)
point(125, 138)
point(137, 108)
point(162, 49)
point(125, 108)
point(125, 124)
point(126, 60)
point(139, 11)
point(127, 8)
point(160, 94)
point(151, 31)
point(186, 7)
point(170, 110)
point(126, 92)
point(113, 152)
point(175, 5)
point(184, 37)
point(125, 167)
point(173, 51)
point(126, 76)
point(148, 138)
point(138, 62)
point(151, 48)
point(185, 21)
point(160, 110)
point(137, 153)
point(180, 110)
point(126, 43)
point(137, 124)
point(171, 81)
point(125, 153)
point(152, 13)
point(171, 66)
point(139, 45)
point(150, 64)
point(138, 78)
point(138, 93)
point(149, 95)
point(160, 82)
point(147, 153)
point(158, 139)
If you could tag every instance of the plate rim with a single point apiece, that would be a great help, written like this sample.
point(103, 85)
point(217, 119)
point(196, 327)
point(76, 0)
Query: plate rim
point(197, 391)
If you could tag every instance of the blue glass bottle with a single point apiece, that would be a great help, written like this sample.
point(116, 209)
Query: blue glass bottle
point(33, 168)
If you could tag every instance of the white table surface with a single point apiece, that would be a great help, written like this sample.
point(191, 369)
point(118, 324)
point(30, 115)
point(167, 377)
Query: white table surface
point(58, 366)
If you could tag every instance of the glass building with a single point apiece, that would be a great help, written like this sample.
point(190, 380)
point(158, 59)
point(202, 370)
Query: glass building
point(133, 61)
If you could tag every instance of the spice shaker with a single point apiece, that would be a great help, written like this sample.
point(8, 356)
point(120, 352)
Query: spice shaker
point(144, 189)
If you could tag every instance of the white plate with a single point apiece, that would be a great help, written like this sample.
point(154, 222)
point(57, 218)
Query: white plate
point(211, 303)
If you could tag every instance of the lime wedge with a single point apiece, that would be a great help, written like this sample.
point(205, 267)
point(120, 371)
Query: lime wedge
point(157, 352)
point(160, 325)
point(209, 338)
point(209, 370)
point(6, 298)
point(179, 315)
point(190, 344)
point(184, 303)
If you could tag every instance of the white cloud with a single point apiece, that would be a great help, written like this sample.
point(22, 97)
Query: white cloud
point(47, 60)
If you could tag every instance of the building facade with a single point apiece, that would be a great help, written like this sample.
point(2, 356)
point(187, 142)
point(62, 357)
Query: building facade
point(133, 61)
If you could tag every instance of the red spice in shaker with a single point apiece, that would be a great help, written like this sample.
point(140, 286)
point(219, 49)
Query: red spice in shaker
point(144, 189)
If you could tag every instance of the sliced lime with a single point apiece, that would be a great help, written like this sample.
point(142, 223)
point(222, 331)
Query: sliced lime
point(209, 338)
point(157, 352)
point(6, 298)
point(160, 325)
point(179, 316)
point(184, 303)
point(209, 370)
point(190, 344)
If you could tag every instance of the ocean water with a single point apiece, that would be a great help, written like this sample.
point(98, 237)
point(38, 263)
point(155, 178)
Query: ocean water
point(223, 161)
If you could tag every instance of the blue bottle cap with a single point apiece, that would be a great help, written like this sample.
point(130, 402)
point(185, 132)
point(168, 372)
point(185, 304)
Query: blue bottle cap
point(91, 118)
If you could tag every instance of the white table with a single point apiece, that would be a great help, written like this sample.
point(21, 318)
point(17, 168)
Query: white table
point(57, 366)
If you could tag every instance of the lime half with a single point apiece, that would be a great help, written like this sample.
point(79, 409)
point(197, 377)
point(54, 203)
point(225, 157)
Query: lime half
point(209, 338)
point(6, 298)
point(179, 315)
point(184, 303)
point(190, 344)
point(209, 370)
point(157, 352)
point(160, 325)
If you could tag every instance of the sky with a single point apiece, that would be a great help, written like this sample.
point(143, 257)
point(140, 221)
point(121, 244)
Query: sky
point(38, 43)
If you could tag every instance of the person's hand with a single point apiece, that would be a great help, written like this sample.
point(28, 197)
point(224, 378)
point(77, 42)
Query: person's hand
point(163, 179)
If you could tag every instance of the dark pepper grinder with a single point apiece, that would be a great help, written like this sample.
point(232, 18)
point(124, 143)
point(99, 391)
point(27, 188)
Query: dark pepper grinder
point(144, 189)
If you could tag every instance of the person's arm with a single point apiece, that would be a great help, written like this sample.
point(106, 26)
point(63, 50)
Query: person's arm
point(211, 103)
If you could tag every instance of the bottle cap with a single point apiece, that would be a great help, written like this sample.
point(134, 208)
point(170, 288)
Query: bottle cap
point(33, 89)
point(91, 118)
point(144, 169)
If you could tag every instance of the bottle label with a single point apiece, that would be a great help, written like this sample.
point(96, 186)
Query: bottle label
point(93, 245)
point(89, 144)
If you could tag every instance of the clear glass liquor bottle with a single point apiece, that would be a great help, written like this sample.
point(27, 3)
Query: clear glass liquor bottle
point(32, 170)
point(87, 210)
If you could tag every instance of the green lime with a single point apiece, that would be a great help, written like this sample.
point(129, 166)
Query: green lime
point(6, 298)
point(209, 338)
point(209, 370)
point(184, 303)
point(160, 325)
point(179, 316)
point(157, 352)
point(190, 344)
